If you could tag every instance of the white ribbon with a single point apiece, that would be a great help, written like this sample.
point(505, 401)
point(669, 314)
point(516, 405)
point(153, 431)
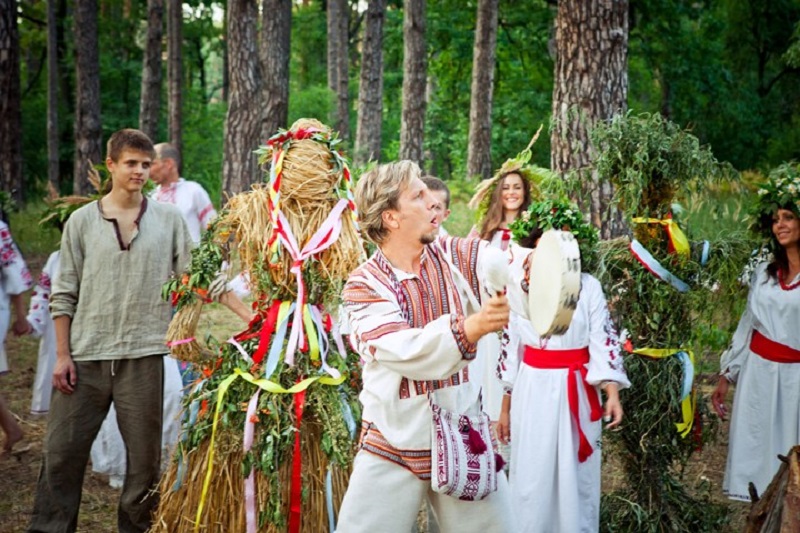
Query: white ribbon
point(325, 236)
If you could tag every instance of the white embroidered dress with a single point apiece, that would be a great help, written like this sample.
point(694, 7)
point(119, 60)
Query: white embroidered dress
point(43, 328)
point(14, 279)
point(551, 490)
point(765, 420)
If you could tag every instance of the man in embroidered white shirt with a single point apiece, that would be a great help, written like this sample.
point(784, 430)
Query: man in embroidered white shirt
point(415, 320)
point(188, 196)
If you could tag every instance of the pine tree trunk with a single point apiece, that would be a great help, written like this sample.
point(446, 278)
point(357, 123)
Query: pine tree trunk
point(52, 97)
point(243, 122)
point(151, 70)
point(370, 90)
point(415, 73)
point(10, 101)
point(338, 63)
point(276, 23)
point(479, 149)
point(591, 85)
point(88, 128)
point(175, 72)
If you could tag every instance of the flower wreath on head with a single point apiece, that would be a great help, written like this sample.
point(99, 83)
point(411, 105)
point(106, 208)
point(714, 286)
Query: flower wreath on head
point(558, 214)
point(533, 174)
point(781, 190)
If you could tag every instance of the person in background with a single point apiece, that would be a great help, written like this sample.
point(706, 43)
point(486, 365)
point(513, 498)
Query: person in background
point(110, 323)
point(15, 279)
point(499, 201)
point(188, 196)
point(764, 357)
point(441, 192)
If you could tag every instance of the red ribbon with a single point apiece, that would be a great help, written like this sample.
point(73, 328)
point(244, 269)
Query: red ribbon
point(296, 488)
point(573, 360)
point(266, 331)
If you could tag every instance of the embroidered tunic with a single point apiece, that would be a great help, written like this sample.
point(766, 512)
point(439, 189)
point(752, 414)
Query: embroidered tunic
point(550, 489)
point(15, 278)
point(39, 319)
point(192, 201)
point(765, 420)
point(409, 332)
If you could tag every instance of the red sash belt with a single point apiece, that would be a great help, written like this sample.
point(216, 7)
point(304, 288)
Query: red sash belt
point(773, 351)
point(574, 361)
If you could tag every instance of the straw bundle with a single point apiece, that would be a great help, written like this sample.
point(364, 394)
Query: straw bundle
point(181, 334)
point(224, 508)
point(310, 179)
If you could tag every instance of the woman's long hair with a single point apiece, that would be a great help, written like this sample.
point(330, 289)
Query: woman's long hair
point(780, 261)
point(495, 214)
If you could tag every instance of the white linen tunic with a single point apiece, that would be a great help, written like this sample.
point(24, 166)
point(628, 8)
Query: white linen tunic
point(551, 490)
point(765, 420)
point(15, 278)
point(42, 324)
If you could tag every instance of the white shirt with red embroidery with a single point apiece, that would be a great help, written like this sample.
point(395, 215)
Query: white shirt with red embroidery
point(192, 201)
point(15, 278)
point(409, 331)
point(39, 318)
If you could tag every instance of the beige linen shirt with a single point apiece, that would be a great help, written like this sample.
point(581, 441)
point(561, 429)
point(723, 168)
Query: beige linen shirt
point(113, 293)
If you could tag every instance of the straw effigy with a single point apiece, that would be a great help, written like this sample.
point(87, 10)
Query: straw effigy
point(270, 427)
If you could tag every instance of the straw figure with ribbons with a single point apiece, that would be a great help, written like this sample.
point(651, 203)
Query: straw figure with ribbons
point(658, 285)
point(270, 425)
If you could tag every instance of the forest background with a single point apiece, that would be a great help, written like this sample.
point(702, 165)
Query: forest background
point(721, 68)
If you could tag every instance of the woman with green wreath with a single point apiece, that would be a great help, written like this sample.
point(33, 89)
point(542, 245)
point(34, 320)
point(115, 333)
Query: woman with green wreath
point(764, 358)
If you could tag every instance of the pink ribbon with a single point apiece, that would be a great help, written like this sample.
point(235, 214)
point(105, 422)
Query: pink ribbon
point(249, 483)
point(325, 236)
point(178, 343)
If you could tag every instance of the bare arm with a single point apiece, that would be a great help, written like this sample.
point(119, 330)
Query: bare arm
point(235, 304)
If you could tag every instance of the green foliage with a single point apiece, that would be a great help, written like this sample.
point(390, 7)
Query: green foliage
point(650, 160)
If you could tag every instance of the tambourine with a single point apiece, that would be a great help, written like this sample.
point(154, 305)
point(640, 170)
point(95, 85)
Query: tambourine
point(555, 283)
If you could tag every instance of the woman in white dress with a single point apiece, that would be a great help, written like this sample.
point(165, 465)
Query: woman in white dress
point(499, 202)
point(41, 325)
point(764, 358)
point(553, 420)
point(15, 279)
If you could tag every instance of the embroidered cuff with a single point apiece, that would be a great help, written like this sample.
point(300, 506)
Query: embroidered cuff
point(468, 349)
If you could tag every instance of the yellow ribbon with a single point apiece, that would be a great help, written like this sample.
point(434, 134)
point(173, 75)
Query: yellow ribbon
point(311, 334)
point(676, 235)
point(688, 404)
point(263, 384)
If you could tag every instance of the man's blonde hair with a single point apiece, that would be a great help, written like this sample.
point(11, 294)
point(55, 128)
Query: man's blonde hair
point(379, 190)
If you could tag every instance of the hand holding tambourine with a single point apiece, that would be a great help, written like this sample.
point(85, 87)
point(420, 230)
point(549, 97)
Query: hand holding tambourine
point(555, 283)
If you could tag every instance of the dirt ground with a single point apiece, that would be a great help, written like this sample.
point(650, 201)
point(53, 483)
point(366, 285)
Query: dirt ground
point(18, 472)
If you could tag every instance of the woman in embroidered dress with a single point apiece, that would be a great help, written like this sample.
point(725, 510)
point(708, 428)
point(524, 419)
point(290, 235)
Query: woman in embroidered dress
point(41, 325)
point(764, 358)
point(499, 202)
point(555, 456)
point(15, 279)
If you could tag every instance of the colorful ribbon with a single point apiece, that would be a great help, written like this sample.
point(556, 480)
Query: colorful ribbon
point(688, 396)
point(678, 243)
point(250, 482)
point(655, 268)
point(324, 237)
point(263, 384)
